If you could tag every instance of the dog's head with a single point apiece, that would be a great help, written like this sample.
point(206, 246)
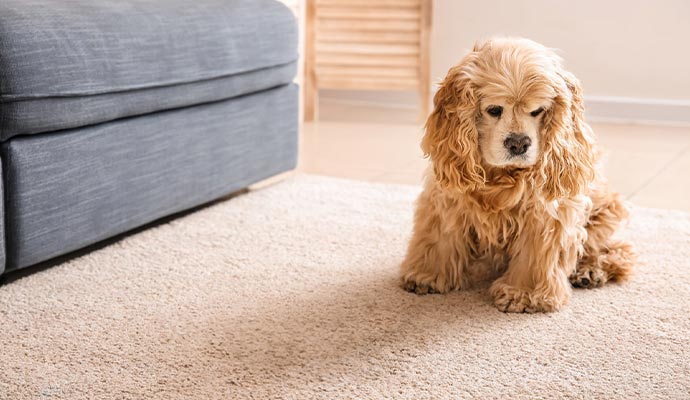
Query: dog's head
point(510, 105)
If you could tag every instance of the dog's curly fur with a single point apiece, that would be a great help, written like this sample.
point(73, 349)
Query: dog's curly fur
point(536, 227)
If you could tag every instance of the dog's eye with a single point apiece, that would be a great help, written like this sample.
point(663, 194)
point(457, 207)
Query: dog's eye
point(495, 111)
point(537, 111)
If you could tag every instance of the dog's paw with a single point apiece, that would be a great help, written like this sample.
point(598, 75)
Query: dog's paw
point(588, 278)
point(614, 264)
point(510, 299)
point(418, 288)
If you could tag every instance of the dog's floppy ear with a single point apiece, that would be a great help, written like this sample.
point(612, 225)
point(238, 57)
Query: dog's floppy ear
point(451, 132)
point(567, 164)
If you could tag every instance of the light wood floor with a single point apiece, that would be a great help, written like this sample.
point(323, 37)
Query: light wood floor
point(650, 165)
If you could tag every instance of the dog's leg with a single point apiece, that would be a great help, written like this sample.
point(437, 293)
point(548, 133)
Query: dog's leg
point(542, 257)
point(435, 259)
point(529, 286)
point(604, 259)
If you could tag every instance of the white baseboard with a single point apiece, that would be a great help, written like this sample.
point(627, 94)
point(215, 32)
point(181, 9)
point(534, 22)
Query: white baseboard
point(598, 108)
point(637, 110)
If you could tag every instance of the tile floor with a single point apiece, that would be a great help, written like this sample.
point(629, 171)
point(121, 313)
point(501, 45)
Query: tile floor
point(650, 165)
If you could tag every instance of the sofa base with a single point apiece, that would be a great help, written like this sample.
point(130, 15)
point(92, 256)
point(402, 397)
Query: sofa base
point(70, 189)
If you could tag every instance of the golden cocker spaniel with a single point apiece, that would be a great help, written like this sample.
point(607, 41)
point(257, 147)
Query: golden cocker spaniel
point(515, 194)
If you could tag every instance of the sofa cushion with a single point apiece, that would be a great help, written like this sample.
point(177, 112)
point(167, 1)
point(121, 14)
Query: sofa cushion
point(100, 59)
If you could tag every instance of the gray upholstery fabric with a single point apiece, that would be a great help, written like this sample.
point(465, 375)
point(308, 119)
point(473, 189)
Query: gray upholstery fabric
point(64, 49)
point(74, 188)
point(2, 225)
point(56, 113)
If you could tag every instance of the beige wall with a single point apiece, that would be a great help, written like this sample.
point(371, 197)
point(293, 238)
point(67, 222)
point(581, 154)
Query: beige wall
point(618, 48)
point(633, 57)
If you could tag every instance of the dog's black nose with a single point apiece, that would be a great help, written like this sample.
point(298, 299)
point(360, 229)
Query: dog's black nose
point(517, 144)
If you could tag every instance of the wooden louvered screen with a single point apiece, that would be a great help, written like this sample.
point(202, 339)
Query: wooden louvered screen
point(368, 45)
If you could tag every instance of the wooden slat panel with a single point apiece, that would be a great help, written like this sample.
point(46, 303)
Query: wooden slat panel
point(369, 45)
point(370, 3)
point(343, 82)
point(425, 60)
point(372, 72)
point(366, 60)
point(367, 37)
point(325, 24)
point(373, 49)
point(361, 13)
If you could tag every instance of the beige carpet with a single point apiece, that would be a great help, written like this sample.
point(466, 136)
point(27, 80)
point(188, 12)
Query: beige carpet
point(291, 292)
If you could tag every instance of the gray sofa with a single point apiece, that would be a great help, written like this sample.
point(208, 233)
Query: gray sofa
point(116, 113)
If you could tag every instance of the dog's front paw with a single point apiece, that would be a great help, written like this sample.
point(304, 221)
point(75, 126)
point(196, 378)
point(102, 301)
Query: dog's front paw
point(424, 283)
point(418, 288)
point(511, 299)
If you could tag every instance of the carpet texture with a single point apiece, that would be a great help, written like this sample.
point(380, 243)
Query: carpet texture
point(291, 292)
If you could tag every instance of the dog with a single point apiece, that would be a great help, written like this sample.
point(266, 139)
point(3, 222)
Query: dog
point(514, 193)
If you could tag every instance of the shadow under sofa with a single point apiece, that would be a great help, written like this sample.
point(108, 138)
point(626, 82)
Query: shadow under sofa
point(116, 113)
